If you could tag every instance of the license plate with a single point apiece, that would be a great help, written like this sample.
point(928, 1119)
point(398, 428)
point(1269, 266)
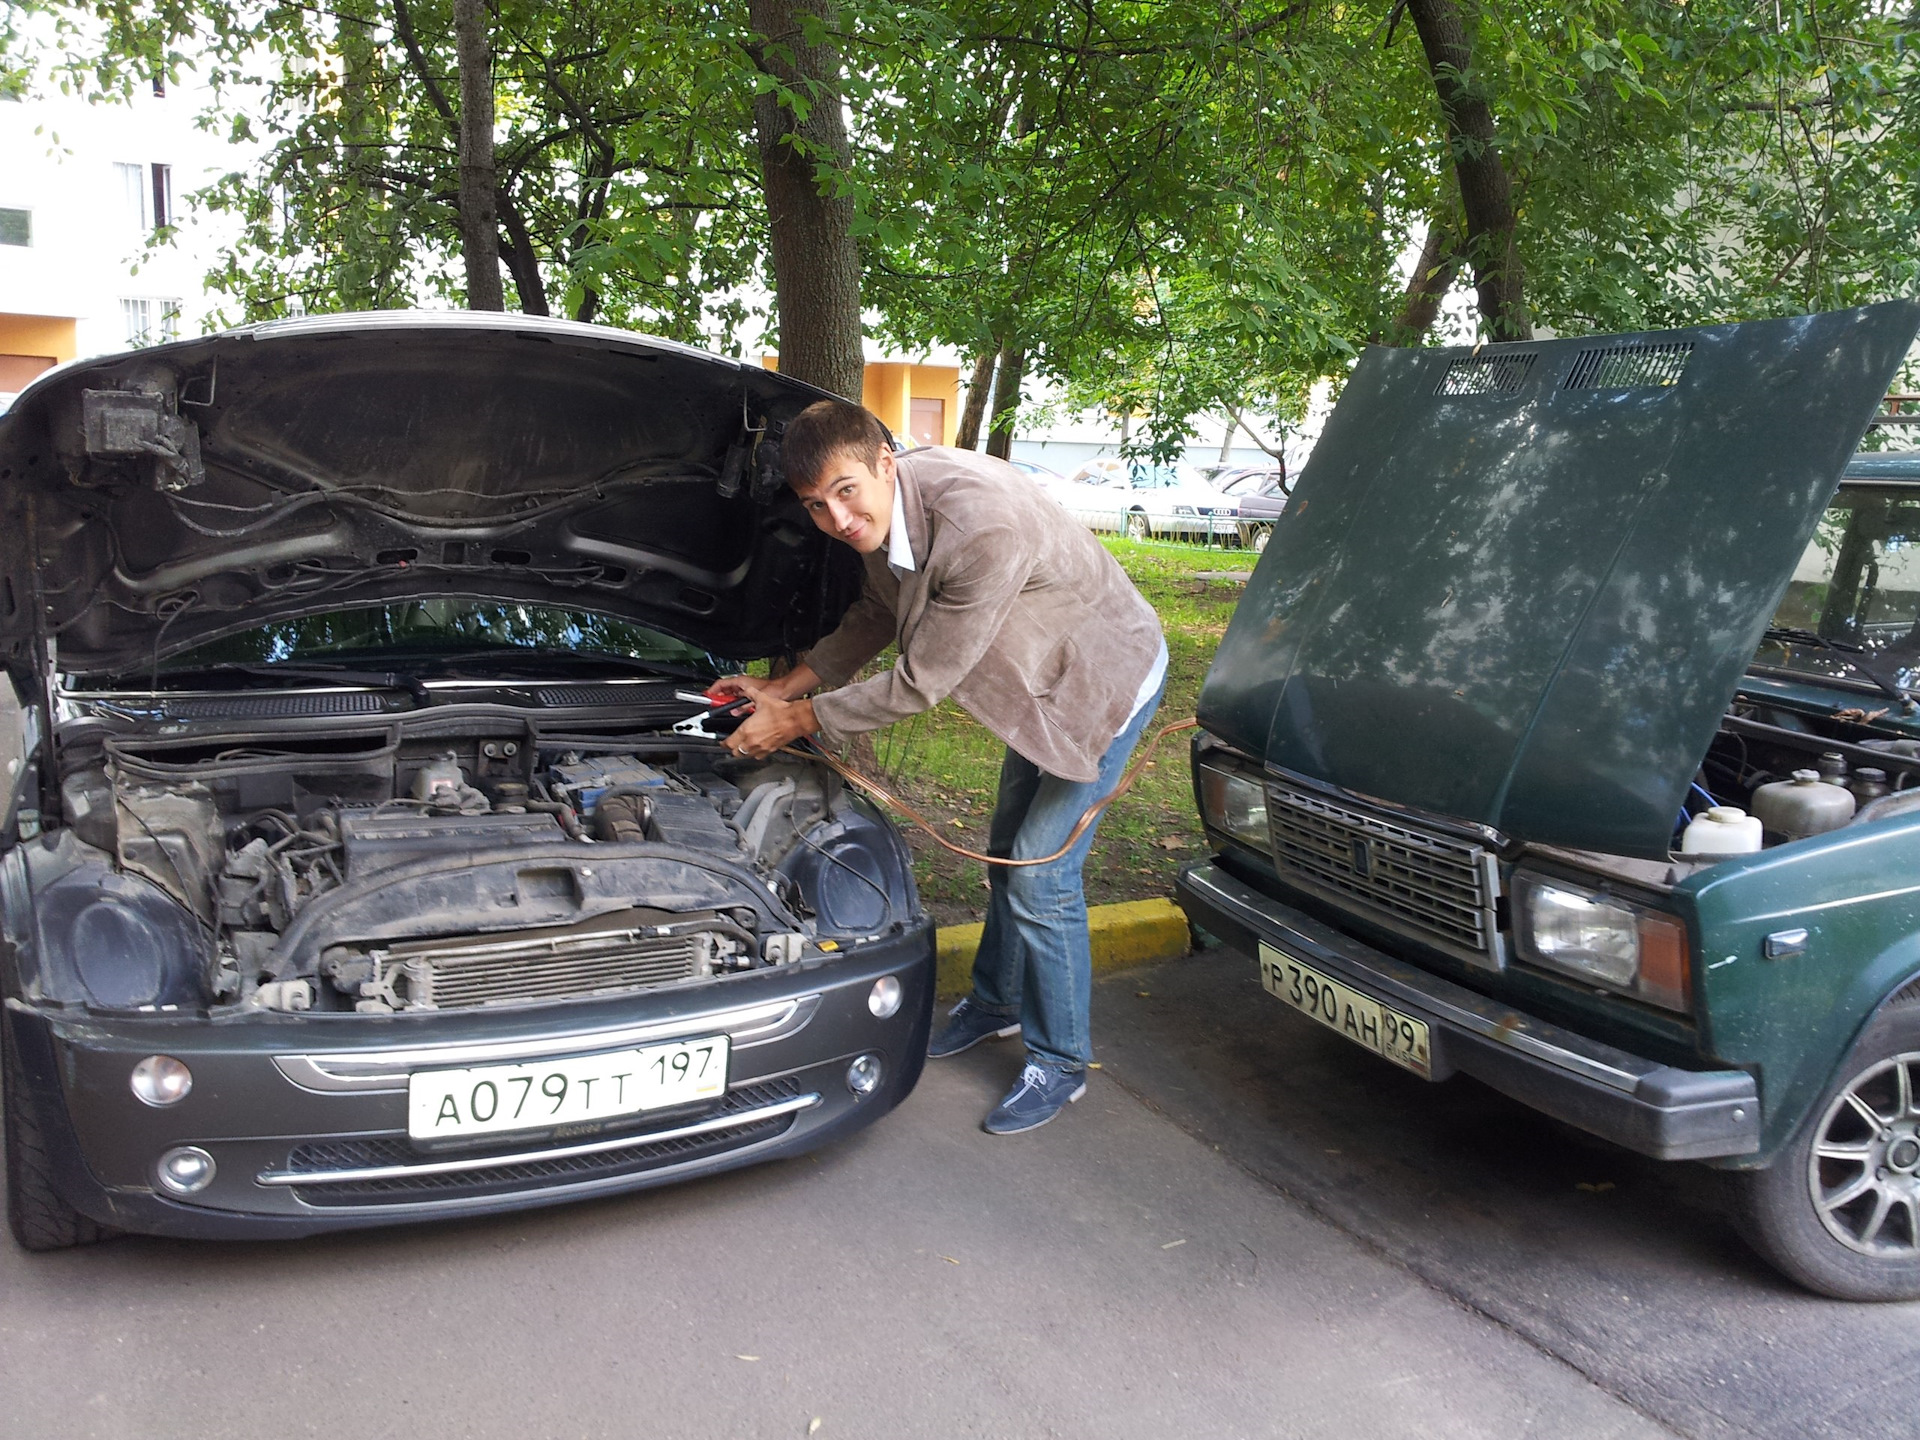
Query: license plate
point(542, 1094)
point(1362, 1019)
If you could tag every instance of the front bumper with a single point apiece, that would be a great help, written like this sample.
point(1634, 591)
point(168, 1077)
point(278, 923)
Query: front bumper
point(1658, 1110)
point(306, 1116)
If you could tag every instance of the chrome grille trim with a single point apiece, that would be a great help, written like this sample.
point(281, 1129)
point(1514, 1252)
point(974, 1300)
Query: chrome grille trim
point(733, 1121)
point(1422, 882)
point(368, 1072)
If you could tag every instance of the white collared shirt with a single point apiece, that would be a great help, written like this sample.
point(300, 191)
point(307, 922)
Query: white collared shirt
point(899, 547)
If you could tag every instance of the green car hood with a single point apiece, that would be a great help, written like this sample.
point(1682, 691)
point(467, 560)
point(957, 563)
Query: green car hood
point(1517, 585)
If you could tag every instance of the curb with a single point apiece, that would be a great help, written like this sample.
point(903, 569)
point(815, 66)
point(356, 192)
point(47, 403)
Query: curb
point(1130, 933)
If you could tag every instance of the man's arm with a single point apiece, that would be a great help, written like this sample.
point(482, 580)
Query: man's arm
point(863, 632)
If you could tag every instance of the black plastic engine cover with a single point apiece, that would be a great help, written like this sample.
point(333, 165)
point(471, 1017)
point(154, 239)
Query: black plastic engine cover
point(379, 840)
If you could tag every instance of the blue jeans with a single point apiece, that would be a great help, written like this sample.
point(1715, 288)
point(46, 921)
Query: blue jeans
point(1034, 959)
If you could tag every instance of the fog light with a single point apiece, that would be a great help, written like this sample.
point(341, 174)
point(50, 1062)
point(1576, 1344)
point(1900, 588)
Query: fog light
point(884, 998)
point(186, 1170)
point(161, 1080)
point(863, 1076)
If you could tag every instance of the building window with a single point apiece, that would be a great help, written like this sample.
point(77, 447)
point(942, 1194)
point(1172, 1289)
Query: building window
point(162, 195)
point(149, 321)
point(136, 198)
point(16, 227)
point(146, 196)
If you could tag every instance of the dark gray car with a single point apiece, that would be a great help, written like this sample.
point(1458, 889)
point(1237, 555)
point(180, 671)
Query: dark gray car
point(368, 855)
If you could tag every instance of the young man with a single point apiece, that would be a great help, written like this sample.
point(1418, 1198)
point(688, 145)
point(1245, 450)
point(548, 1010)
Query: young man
point(997, 597)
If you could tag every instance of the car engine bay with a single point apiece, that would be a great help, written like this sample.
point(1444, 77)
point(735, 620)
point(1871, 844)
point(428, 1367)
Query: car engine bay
point(385, 871)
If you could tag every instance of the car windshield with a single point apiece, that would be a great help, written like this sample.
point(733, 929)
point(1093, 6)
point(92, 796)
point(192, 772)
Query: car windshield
point(1857, 585)
point(441, 627)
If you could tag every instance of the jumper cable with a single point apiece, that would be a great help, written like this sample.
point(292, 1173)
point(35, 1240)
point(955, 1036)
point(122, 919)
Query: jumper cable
point(893, 802)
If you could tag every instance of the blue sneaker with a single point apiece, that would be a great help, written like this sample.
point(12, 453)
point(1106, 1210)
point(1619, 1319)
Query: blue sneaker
point(967, 1025)
point(1040, 1094)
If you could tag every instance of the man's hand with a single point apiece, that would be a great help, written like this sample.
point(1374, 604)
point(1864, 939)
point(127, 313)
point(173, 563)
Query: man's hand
point(797, 681)
point(773, 724)
point(751, 686)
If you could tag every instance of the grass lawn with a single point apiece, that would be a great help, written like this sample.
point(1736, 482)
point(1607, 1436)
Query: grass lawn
point(947, 766)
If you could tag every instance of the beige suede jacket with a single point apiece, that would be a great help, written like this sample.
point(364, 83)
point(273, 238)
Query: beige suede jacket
point(1016, 611)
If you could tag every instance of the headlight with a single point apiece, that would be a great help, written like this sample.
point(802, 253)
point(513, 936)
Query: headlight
point(1235, 804)
point(1604, 939)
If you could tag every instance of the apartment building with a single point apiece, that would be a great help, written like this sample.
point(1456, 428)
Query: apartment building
point(98, 250)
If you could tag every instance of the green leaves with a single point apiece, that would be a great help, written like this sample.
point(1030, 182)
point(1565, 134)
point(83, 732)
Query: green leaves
point(1171, 207)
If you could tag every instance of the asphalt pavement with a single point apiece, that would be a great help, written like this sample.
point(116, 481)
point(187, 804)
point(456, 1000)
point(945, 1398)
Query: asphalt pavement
point(1110, 1276)
point(1623, 1267)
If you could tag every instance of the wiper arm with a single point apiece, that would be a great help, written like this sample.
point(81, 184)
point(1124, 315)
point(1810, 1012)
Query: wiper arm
point(1855, 657)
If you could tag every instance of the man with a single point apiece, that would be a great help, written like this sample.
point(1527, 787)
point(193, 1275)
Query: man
point(996, 597)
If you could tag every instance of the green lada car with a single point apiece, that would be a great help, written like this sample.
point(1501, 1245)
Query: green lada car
point(1539, 622)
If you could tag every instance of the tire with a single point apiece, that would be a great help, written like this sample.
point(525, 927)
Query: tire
point(1867, 1245)
point(39, 1218)
point(1137, 526)
point(1257, 541)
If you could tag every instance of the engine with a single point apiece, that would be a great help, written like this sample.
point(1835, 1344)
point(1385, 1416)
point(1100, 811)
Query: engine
point(488, 871)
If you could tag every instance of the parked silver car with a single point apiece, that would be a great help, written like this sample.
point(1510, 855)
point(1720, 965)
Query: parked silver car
point(1142, 500)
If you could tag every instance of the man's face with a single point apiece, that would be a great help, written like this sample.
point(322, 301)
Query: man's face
point(852, 499)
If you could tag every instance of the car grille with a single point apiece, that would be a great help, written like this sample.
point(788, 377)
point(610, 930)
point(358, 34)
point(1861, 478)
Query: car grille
point(1438, 887)
point(548, 965)
point(642, 1155)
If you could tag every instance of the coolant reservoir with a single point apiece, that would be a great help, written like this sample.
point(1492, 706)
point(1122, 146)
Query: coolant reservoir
point(1723, 830)
point(1805, 805)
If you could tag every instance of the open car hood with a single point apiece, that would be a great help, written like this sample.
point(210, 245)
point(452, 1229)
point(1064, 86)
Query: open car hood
point(1517, 585)
point(158, 499)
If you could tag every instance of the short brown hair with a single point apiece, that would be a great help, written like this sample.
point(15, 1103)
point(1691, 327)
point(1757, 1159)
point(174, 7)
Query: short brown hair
point(825, 429)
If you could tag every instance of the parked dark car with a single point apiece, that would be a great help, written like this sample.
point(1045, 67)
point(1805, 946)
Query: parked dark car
point(369, 853)
point(1261, 496)
point(1534, 612)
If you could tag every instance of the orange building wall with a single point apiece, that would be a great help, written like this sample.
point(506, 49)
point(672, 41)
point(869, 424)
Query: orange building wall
point(30, 344)
point(889, 387)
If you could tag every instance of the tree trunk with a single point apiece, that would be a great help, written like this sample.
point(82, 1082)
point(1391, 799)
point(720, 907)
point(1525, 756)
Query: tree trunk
point(479, 223)
point(967, 437)
point(1486, 196)
point(1006, 401)
point(1226, 440)
point(816, 267)
point(1431, 279)
point(523, 261)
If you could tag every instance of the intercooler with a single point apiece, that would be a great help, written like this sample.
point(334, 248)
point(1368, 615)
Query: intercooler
point(532, 965)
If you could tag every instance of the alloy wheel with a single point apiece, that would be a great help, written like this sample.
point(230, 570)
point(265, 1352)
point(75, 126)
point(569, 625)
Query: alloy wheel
point(1864, 1169)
